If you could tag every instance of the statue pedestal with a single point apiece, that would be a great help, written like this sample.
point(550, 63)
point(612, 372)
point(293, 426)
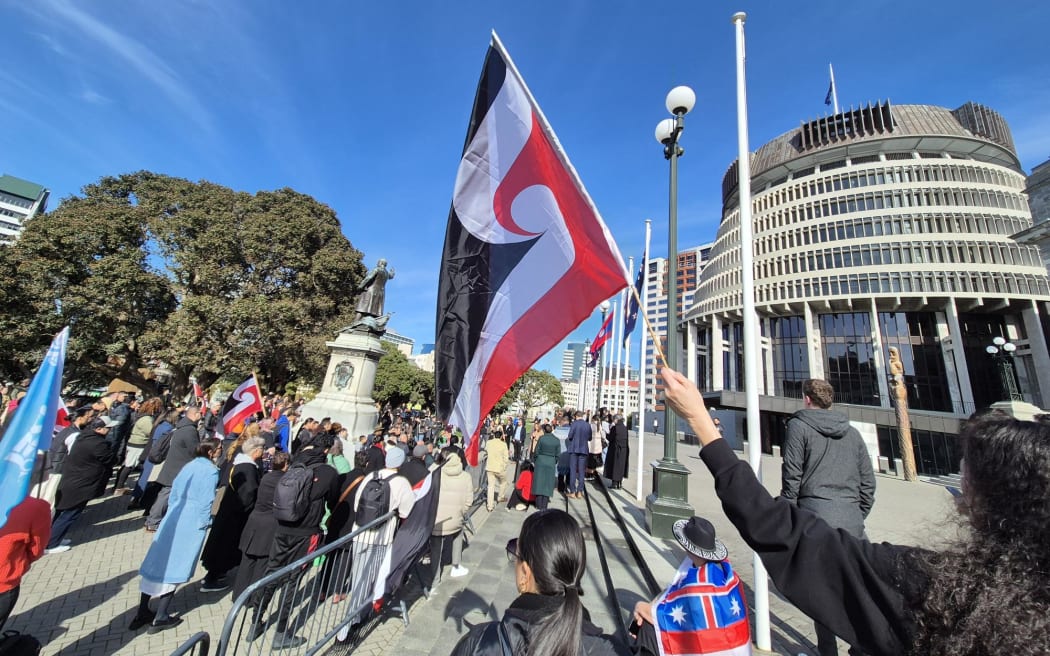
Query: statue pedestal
point(346, 395)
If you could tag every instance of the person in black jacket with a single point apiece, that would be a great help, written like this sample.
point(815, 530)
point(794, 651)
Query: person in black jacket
point(221, 551)
point(86, 471)
point(293, 540)
point(258, 532)
point(547, 617)
point(618, 455)
point(182, 449)
point(986, 594)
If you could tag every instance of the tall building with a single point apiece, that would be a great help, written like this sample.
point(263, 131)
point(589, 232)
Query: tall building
point(403, 344)
point(877, 228)
point(1037, 187)
point(690, 263)
point(572, 358)
point(20, 200)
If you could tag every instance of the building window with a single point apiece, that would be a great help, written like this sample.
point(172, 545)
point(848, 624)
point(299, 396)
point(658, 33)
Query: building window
point(914, 334)
point(790, 355)
point(849, 362)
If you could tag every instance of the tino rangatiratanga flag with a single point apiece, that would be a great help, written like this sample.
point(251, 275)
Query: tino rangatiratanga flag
point(245, 401)
point(599, 340)
point(526, 256)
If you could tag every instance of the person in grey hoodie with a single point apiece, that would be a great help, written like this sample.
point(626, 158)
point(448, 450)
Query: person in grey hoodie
point(827, 470)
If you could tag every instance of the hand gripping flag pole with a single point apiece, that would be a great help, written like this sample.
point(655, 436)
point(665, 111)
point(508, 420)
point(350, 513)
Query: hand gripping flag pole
point(526, 253)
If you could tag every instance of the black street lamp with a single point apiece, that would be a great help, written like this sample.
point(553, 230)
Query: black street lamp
point(669, 500)
point(1002, 352)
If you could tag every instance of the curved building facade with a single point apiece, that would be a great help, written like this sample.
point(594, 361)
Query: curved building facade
point(885, 226)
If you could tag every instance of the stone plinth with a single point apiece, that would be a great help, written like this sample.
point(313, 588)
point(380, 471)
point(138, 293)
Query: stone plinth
point(346, 395)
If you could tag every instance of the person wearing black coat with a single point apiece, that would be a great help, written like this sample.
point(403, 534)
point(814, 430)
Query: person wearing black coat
point(181, 450)
point(221, 552)
point(258, 532)
point(618, 454)
point(85, 472)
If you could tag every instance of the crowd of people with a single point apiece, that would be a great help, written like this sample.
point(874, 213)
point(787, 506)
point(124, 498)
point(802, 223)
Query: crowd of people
point(222, 500)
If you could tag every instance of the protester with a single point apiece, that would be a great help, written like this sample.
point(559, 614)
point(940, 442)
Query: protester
point(259, 530)
point(172, 556)
point(85, 472)
point(547, 617)
point(293, 539)
point(521, 498)
point(337, 459)
point(414, 469)
point(596, 446)
point(618, 454)
point(546, 452)
point(181, 451)
point(340, 523)
point(23, 539)
point(147, 487)
point(61, 443)
point(496, 469)
point(827, 470)
point(578, 441)
point(137, 442)
point(454, 499)
point(984, 594)
point(221, 551)
point(704, 586)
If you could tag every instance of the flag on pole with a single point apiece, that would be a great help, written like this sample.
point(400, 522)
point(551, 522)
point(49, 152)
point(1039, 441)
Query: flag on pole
point(31, 427)
point(630, 318)
point(600, 339)
point(526, 252)
point(245, 401)
point(198, 393)
point(827, 98)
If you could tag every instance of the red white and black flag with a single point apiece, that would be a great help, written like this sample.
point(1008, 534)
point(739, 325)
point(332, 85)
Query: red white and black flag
point(245, 401)
point(599, 340)
point(527, 256)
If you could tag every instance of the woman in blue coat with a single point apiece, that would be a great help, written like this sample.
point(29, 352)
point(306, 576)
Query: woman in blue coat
point(176, 548)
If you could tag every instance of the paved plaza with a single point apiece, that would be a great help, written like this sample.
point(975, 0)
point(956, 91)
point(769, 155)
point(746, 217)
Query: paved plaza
point(80, 602)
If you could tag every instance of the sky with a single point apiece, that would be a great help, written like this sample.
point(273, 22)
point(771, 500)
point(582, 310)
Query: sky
point(364, 105)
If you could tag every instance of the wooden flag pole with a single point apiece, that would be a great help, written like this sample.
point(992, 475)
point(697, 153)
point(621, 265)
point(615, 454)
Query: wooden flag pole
point(649, 327)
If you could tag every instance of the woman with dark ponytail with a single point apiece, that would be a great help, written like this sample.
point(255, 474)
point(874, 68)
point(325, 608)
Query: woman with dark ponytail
point(548, 617)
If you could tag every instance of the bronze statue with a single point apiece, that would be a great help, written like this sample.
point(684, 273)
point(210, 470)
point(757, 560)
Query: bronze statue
point(373, 291)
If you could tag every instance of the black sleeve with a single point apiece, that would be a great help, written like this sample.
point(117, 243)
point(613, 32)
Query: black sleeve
point(245, 483)
point(848, 584)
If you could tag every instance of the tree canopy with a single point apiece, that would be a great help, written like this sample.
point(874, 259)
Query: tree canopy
point(152, 270)
point(534, 389)
point(398, 381)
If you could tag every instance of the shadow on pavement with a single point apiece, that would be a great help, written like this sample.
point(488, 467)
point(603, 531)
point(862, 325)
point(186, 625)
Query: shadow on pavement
point(69, 605)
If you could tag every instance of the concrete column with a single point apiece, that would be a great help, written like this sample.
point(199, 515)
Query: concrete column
point(816, 353)
point(717, 348)
point(959, 355)
point(882, 371)
point(690, 353)
point(946, 340)
point(1040, 355)
point(768, 374)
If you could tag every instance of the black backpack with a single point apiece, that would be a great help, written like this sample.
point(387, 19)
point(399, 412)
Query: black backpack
point(375, 499)
point(13, 643)
point(159, 447)
point(291, 499)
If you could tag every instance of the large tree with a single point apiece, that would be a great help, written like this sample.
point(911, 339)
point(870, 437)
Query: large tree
point(398, 381)
point(534, 389)
point(210, 282)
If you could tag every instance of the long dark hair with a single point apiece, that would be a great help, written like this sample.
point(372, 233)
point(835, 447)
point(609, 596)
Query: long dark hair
point(552, 544)
point(989, 593)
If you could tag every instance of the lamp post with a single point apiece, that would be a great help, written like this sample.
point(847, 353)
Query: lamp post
point(598, 404)
point(669, 500)
point(1002, 352)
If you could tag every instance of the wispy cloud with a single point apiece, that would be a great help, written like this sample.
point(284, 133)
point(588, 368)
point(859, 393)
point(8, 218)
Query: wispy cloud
point(94, 97)
point(51, 43)
point(138, 56)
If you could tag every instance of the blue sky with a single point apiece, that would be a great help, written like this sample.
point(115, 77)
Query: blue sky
point(364, 105)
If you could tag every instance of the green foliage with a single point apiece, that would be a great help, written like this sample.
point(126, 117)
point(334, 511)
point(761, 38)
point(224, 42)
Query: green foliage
point(534, 389)
point(150, 269)
point(398, 381)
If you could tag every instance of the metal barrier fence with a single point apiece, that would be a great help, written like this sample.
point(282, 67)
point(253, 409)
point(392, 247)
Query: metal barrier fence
point(197, 645)
point(302, 607)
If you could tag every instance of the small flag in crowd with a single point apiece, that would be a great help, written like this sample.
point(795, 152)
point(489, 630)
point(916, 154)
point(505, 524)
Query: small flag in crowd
point(600, 339)
point(245, 401)
point(198, 394)
point(631, 317)
point(526, 253)
point(31, 427)
point(703, 612)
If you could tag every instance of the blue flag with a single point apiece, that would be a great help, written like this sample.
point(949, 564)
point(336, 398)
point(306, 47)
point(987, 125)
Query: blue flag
point(631, 316)
point(31, 427)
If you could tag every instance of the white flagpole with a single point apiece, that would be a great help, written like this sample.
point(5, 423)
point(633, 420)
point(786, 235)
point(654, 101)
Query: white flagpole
point(641, 358)
point(751, 346)
point(624, 348)
point(834, 91)
point(610, 362)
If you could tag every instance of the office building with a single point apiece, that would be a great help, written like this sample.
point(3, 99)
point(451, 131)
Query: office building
point(572, 358)
point(20, 200)
point(877, 228)
point(403, 344)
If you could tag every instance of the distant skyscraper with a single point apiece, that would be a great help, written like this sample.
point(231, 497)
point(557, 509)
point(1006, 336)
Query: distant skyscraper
point(572, 359)
point(1037, 187)
point(404, 344)
point(20, 200)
